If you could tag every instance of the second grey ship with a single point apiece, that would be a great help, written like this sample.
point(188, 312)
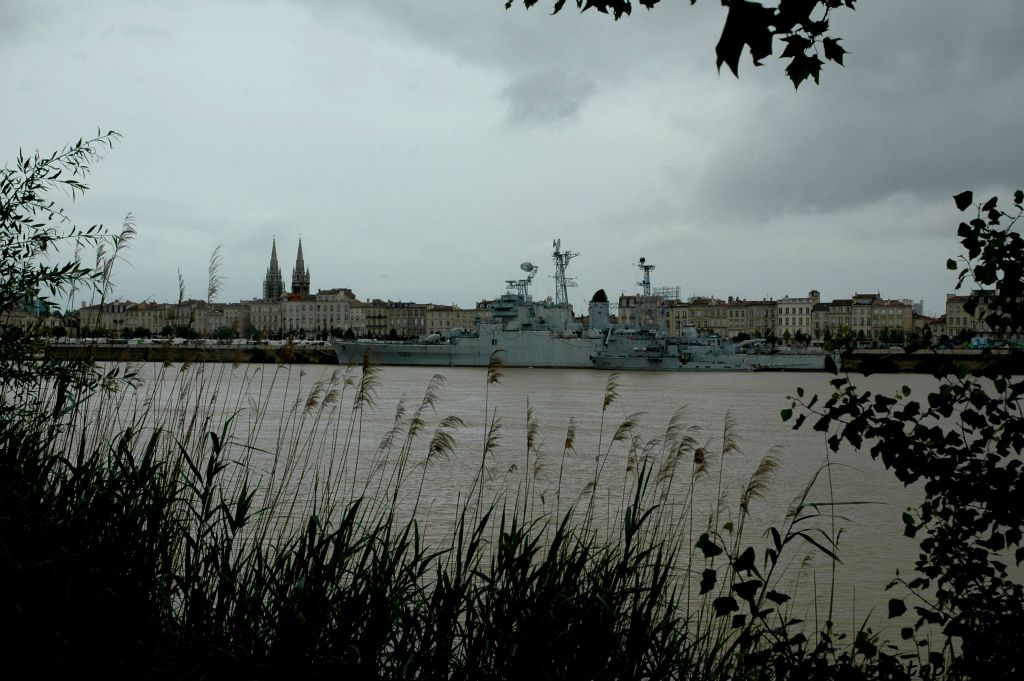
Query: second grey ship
point(644, 344)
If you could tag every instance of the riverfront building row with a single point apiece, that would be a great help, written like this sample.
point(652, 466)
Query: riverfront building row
point(280, 312)
point(334, 311)
point(326, 313)
point(866, 316)
point(299, 312)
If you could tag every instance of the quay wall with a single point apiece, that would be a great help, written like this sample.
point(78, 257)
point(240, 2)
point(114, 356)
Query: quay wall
point(859, 361)
point(236, 354)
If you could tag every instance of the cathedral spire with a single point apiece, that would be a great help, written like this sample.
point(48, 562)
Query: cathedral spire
point(300, 275)
point(273, 283)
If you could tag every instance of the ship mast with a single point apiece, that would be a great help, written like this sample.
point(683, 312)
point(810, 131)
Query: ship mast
point(562, 282)
point(646, 283)
point(648, 312)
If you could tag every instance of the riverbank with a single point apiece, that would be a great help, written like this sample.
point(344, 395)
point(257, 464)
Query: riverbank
point(260, 353)
point(860, 361)
point(933, 361)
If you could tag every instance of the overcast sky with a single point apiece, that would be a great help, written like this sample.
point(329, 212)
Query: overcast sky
point(424, 149)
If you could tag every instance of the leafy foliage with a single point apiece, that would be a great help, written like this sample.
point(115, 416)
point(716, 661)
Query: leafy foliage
point(34, 231)
point(964, 444)
point(741, 590)
point(801, 25)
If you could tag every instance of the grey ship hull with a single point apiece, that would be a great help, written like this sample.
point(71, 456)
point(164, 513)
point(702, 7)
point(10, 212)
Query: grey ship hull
point(514, 348)
point(637, 363)
point(756, 361)
point(786, 362)
point(543, 349)
point(650, 350)
point(731, 361)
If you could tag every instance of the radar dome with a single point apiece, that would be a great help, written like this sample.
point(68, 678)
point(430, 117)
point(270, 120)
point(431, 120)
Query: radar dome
point(526, 267)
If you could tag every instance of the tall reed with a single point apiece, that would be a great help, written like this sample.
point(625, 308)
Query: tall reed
point(194, 526)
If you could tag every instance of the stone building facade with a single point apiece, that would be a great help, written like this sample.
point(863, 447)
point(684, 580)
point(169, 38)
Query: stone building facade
point(795, 315)
point(726, 318)
point(323, 313)
point(959, 321)
point(123, 318)
point(865, 316)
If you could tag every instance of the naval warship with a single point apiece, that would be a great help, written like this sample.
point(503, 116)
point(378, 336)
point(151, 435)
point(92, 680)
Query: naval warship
point(645, 344)
point(523, 332)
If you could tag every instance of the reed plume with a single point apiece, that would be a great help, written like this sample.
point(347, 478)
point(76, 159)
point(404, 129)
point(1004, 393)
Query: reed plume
point(611, 391)
point(568, 447)
point(215, 281)
point(495, 366)
point(757, 485)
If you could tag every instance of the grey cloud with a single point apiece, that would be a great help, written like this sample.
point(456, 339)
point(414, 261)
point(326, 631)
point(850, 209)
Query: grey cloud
point(925, 107)
point(374, 127)
point(547, 97)
point(16, 22)
point(673, 37)
point(146, 33)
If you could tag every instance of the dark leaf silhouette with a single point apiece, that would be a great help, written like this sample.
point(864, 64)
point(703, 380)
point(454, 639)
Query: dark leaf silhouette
point(746, 25)
point(724, 605)
point(833, 50)
point(964, 199)
point(707, 581)
point(802, 24)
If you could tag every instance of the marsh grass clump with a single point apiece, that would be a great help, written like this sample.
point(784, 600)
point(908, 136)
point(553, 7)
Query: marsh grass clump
point(196, 527)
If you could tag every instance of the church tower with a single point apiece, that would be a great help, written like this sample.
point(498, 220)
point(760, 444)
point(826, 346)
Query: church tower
point(300, 275)
point(273, 283)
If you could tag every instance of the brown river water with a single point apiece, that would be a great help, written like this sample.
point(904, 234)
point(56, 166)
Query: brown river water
point(273, 412)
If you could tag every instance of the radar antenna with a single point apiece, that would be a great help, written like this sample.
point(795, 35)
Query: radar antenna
point(562, 282)
point(522, 286)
